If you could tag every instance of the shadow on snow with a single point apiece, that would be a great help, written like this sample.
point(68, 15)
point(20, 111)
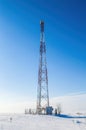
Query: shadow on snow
point(68, 116)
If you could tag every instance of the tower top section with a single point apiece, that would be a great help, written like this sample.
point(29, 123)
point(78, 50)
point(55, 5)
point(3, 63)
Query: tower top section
point(42, 25)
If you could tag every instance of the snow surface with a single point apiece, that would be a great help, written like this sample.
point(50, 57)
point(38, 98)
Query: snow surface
point(40, 122)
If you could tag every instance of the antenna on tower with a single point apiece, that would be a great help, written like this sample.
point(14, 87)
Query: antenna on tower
point(42, 90)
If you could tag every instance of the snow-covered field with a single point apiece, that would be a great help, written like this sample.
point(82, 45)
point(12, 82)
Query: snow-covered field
point(40, 122)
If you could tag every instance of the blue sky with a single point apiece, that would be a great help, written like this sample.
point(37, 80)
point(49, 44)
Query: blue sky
point(65, 36)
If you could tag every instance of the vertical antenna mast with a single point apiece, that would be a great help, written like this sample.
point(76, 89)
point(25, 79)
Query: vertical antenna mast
point(42, 90)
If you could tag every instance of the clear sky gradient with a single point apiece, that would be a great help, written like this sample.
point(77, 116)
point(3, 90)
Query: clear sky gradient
point(65, 36)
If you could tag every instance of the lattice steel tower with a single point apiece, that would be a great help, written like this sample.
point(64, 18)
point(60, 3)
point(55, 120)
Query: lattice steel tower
point(42, 90)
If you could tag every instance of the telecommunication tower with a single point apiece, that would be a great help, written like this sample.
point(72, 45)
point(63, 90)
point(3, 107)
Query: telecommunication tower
point(42, 90)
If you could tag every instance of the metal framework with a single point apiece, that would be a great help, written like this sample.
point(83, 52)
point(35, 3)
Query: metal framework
point(42, 90)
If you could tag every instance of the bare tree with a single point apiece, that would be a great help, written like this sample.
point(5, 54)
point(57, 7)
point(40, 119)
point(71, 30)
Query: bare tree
point(59, 109)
